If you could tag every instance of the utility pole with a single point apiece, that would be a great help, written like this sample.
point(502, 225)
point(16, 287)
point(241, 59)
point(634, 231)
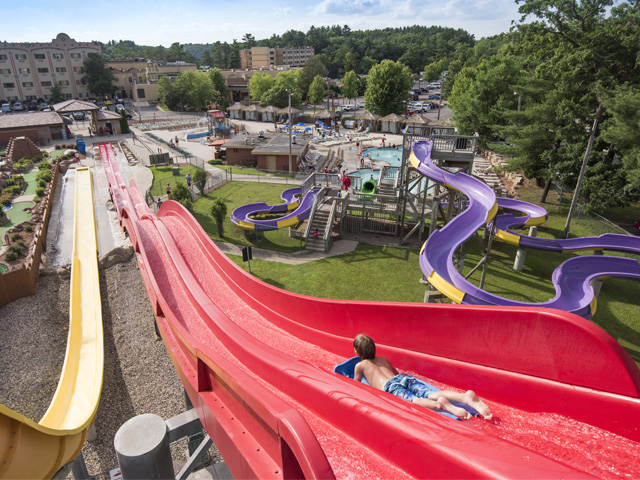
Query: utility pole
point(289, 95)
point(441, 91)
point(576, 192)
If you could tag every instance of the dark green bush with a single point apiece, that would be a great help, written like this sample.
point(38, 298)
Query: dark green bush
point(15, 236)
point(4, 200)
point(11, 191)
point(28, 228)
point(44, 166)
point(10, 256)
point(215, 161)
point(45, 175)
point(42, 183)
point(36, 199)
point(40, 191)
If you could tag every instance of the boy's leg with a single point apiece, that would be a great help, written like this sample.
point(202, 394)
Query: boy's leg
point(442, 404)
point(468, 398)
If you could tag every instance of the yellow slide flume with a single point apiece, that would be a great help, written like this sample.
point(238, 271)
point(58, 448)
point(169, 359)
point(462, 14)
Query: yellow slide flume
point(39, 450)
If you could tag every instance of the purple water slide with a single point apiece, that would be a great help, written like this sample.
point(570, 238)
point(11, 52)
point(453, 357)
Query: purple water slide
point(571, 279)
point(608, 241)
point(241, 216)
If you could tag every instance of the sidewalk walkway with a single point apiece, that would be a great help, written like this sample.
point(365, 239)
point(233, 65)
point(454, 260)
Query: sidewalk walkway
point(295, 258)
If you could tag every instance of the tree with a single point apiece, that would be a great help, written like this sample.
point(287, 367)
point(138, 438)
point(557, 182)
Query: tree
point(194, 88)
point(278, 96)
point(124, 124)
point(433, 71)
point(218, 212)
point(249, 40)
point(97, 76)
point(387, 88)
point(219, 83)
point(317, 92)
point(259, 83)
point(289, 80)
point(175, 52)
point(314, 67)
point(166, 93)
point(200, 179)
point(56, 93)
point(350, 85)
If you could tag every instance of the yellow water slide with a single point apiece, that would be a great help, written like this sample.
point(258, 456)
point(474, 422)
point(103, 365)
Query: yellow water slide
point(38, 450)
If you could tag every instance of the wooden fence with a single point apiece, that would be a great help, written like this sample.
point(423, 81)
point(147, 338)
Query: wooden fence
point(22, 282)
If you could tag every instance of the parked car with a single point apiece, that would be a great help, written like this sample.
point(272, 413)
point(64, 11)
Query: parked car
point(119, 107)
point(43, 106)
point(5, 108)
point(32, 106)
point(360, 105)
point(435, 96)
point(78, 115)
point(18, 107)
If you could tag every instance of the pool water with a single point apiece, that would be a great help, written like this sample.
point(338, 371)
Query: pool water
point(390, 155)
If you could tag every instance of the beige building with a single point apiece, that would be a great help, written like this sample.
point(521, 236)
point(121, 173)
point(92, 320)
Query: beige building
point(265, 57)
point(28, 71)
point(138, 78)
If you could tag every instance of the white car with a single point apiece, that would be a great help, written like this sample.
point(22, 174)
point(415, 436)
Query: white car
point(18, 107)
point(360, 105)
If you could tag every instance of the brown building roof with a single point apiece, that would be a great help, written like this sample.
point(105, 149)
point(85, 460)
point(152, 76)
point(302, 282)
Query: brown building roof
point(30, 119)
point(71, 106)
point(107, 115)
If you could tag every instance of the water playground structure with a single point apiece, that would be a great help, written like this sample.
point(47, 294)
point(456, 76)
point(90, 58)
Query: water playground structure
point(257, 363)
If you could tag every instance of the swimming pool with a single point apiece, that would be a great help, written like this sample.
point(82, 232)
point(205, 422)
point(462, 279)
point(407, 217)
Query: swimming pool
point(390, 155)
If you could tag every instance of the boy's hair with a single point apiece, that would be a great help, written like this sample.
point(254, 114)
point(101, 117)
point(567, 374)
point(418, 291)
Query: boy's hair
point(365, 347)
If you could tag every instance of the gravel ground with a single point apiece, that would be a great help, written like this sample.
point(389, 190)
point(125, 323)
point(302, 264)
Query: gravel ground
point(138, 376)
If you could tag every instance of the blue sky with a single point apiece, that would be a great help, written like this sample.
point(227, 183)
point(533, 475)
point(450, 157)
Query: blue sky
point(160, 22)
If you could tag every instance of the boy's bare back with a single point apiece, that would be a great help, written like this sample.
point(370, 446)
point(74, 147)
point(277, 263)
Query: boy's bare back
point(377, 371)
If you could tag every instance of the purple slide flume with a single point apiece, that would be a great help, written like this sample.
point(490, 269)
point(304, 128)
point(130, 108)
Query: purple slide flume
point(571, 279)
point(298, 211)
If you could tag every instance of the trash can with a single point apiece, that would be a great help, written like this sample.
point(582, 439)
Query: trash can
point(82, 147)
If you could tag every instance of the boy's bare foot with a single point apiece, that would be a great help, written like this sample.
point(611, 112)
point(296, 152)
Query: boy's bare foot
point(473, 400)
point(447, 406)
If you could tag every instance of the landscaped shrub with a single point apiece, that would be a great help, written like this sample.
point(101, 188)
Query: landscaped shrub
point(11, 191)
point(58, 147)
point(15, 248)
point(45, 175)
point(4, 200)
point(40, 191)
point(22, 165)
point(180, 192)
point(28, 228)
point(187, 203)
point(36, 199)
point(10, 256)
point(200, 179)
point(16, 236)
point(44, 166)
point(9, 182)
point(42, 183)
point(215, 161)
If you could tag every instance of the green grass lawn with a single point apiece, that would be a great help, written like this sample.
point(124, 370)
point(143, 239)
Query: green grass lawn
point(30, 178)
point(16, 215)
point(393, 273)
point(241, 170)
point(236, 194)
point(55, 154)
point(163, 175)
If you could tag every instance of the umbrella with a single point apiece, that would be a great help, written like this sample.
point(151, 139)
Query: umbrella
point(285, 127)
point(326, 127)
point(307, 129)
point(301, 124)
point(319, 124)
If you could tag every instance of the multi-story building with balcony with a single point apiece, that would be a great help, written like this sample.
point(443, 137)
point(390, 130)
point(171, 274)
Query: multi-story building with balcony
point(28, 71)
point(264, 57)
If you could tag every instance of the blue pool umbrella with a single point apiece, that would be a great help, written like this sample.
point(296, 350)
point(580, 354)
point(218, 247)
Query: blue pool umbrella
point(319, 124)
point(307, 129)
point(326, 127)
point(301, 124)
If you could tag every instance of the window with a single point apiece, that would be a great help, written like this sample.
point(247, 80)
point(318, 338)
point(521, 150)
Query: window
point(27, 84)
point(24, 71)
point(9, 85)
point(21, 56)
point(45, 84)
point(61, 69)
point(57, 56)
point(12, 99)
point(76, 56)
point(141, 93)
point(31, 98)
point(47, 97)
point(67, 95)
point(5, 71)
point(77, 69)
point(39, 56)
point(78, 82)
point(64, 83)
point(43, 70)
point(3, 57)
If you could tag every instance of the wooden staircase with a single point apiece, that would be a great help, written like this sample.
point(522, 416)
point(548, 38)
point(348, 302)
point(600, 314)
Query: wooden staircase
point(315, 243)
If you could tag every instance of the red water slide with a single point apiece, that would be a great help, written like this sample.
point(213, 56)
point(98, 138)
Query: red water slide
point(257, 364)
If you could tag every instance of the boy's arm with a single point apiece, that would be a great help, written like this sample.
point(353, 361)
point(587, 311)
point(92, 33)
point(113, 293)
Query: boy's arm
point(358, 372)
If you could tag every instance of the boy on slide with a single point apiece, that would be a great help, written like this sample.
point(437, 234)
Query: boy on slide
point(382, 375)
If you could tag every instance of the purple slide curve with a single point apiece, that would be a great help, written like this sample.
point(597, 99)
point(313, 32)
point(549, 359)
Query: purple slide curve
point(241, 216)
point(571, 279)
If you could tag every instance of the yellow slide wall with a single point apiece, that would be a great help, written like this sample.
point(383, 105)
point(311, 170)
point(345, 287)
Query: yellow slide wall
point(39, 450)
